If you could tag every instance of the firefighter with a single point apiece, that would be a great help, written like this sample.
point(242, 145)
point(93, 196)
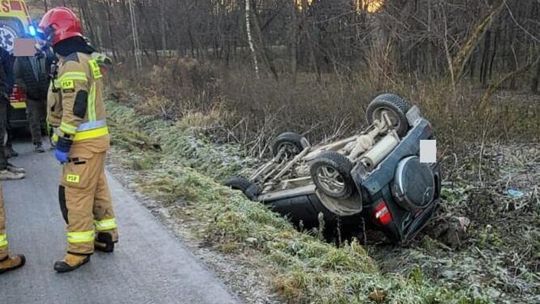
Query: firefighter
point(76, 111)
point(7, 262)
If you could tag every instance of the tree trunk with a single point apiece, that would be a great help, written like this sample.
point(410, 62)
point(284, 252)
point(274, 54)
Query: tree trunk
point(84, 16)
point(146, 24)
point(494, 86)
point(262, 45)
point(250, 38)
point(536, 78)
point(162, 24)
point(459, 61)
point(135, 34)
point(293, 39)
point(485, 58)
point(109, 27)
point(494, 53)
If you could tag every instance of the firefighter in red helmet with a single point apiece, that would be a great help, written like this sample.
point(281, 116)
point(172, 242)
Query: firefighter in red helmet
point(76, 111)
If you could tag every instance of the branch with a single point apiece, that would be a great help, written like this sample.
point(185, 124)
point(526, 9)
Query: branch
point(518, 24)
point(464, 54)
point(493, 87)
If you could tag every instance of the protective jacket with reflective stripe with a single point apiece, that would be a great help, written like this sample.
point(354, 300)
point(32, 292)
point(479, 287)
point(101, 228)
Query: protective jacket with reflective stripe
point(75, 101)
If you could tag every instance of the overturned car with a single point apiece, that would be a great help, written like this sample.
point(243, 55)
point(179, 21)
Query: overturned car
point(375, 177)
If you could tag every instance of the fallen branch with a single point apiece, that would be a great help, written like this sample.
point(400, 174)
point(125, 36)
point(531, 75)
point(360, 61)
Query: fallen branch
point(495, 86)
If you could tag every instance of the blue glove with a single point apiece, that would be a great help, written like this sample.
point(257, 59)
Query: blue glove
point(62, 157)
point(61, 151)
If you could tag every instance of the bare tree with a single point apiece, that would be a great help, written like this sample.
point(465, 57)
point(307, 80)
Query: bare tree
point(453, 39)
point(250, 38)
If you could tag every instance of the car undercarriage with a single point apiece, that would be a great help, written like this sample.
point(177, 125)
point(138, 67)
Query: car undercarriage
point(375, 175)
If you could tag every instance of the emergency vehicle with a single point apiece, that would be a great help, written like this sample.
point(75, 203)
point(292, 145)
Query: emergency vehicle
point(15, 22)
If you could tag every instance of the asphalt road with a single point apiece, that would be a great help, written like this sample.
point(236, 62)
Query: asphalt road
point(149, 264)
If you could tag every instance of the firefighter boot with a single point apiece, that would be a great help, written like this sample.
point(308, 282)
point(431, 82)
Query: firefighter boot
point(104, 242)
point(11, 263)
point(71, 262)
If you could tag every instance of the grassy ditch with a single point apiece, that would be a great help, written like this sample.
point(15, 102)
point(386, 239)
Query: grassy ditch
point(483, 236)
point(182, 170)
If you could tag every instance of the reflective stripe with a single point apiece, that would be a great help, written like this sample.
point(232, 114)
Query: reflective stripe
point(67, 128)
point(73, 76)
point(96, 70)
point(56, 135)
point(101, 59)
point(87, 130)
point(95, 133)
point(3, 240)
point(80, 237)
point(18, 105)
point(58, 83)
point(92, 103)
point(69, 76)
point(107, 224)
point(96, 73)
point(92, 125)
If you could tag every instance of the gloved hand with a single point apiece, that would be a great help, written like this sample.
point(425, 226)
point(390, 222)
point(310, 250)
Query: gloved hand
point(61, 151)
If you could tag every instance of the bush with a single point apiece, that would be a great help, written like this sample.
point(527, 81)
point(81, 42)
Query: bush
point(232, 105)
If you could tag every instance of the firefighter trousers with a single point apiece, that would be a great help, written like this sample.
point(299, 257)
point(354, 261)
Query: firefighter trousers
point(3, 236)
point(85, 201)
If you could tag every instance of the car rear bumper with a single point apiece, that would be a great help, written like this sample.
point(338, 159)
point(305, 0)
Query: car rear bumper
point(375, 180)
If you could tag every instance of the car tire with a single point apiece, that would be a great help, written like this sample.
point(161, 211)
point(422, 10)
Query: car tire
point(293, 142)
point(331, 173)
point(397, 108)
point(250, 189)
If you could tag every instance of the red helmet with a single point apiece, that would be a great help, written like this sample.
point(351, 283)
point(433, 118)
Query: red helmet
point(59, 24)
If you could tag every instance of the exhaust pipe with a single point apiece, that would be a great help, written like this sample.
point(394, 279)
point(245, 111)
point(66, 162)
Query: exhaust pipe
point(374, 156)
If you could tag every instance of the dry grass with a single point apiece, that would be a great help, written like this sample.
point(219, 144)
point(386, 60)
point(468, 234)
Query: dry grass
point(230, 105)
point(302, 268)
point(235, 108)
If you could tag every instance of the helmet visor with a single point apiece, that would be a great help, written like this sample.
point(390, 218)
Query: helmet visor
point(46, 35)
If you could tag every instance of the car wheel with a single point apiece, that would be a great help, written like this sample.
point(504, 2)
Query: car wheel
point(331, 173)
point(290, 143)
point(250, 189)
point(395, 107)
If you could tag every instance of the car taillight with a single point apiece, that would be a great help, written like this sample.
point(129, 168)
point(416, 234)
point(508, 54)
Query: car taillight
point(382, 214)
point(17, 95)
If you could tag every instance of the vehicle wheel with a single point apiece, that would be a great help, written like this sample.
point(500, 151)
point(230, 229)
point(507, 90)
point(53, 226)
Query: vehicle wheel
point(292, 143)
point(331, 173)
point(395, 107)
point(250, 189)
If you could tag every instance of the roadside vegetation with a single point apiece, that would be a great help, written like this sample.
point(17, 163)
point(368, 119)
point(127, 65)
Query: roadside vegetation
point(482, 247)
point(220, 79)
point(474, 252)
point(195, 123)
point(301, 267)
